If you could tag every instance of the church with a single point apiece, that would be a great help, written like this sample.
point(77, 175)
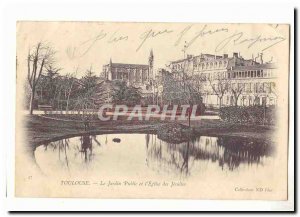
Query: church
point(139, 76)
point(133, 74)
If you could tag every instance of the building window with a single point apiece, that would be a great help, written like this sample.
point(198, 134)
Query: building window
point(272, 87)
point(258, 88)
point(250, 100)
point(126, 76)
point(264, 73)
point(265, 86)
point(243, 101)
point(195, 63)
point(113, 75)
point(239, 86)
point(257, 100)
point(119, 75)
point(247, 87)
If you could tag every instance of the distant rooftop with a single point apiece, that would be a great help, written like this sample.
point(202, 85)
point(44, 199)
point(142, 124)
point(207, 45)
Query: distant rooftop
point(255, 67)
point(212, 57)
point(128, 65)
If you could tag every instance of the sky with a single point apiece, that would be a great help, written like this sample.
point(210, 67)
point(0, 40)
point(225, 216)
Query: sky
point(91, 44)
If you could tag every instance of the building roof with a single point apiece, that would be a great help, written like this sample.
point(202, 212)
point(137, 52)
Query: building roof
point(183, 59)
point(255, 67)
point(128, 65)
point(211, 55)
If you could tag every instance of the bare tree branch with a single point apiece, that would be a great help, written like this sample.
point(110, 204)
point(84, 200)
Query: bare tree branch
point(219, 85)
point(41, 57)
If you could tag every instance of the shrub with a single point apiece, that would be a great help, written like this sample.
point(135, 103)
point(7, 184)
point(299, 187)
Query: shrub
point(250, 114)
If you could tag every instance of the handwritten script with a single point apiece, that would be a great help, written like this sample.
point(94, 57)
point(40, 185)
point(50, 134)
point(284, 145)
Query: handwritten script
point(85, 46)
point(239, 39)
point(190, 34)
point(152, 34)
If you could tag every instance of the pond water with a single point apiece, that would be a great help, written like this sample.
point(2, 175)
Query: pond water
point(145, 155)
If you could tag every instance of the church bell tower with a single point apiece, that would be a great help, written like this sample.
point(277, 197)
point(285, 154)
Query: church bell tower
point(150, 62)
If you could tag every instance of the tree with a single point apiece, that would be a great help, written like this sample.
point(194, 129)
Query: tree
point(132, 96)
point(127, 95)
point(219, 86)
point(85, 93)
point(88, 83)
point(194, 85)
point(38, 58)
point(70, 79)
point(47, 85)
point(179, 87)
point(256, 92)
point(236, 90)
point(52, 78)
point(172, 90)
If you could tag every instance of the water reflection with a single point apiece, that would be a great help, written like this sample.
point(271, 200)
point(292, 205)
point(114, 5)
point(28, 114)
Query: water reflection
point(142, 153)
point(229, 153)
point(84, 148)
point(61, 147)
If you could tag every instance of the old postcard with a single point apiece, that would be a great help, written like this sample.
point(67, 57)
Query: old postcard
point(152, 110)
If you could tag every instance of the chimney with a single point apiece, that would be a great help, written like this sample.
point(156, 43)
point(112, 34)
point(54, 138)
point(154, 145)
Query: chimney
point(271, 60)
point(225, 56)
point(235, 57)
point(256, 57)
point(261, 58)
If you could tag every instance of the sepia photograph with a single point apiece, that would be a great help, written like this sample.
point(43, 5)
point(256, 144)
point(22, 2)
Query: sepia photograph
point(152, 110)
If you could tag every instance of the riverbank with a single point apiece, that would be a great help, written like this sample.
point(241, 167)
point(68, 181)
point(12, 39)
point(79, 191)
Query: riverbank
point(41, 129)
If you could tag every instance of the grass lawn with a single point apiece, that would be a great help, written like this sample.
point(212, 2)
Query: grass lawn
point(43, 129)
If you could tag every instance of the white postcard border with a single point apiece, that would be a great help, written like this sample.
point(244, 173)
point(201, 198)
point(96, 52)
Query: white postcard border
point(168, 11)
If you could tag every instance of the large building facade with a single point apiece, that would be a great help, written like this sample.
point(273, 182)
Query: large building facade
point(224, 80)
